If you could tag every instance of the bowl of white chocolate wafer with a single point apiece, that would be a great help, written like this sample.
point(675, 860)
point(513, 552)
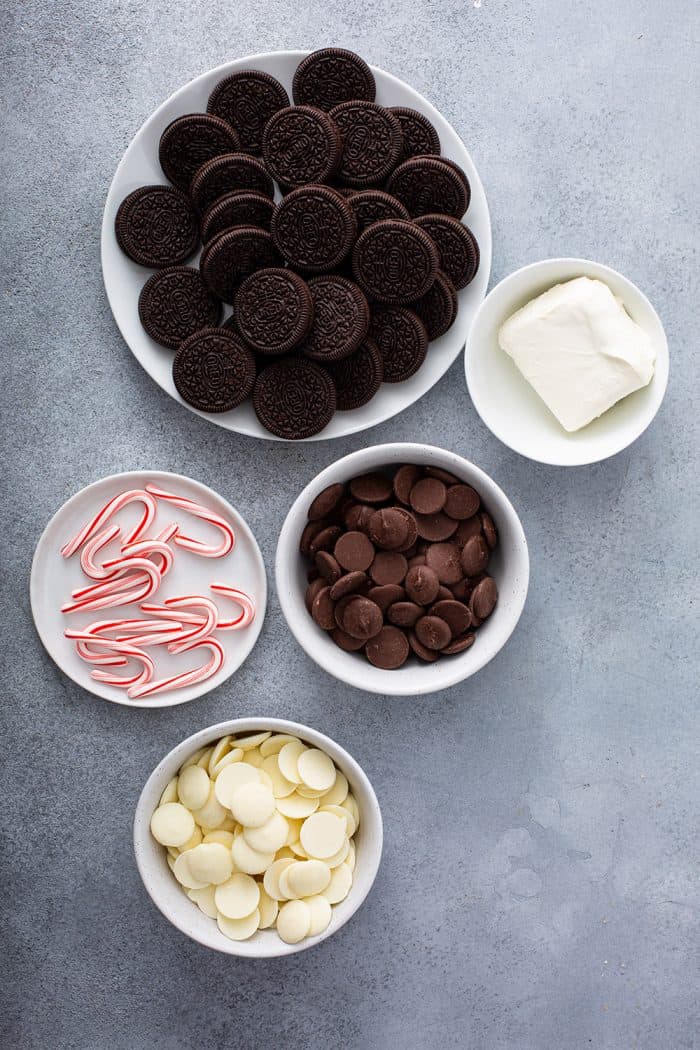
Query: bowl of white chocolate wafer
point(258, 837)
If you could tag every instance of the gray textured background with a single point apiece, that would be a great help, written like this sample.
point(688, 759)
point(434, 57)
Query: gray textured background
point(539, 885)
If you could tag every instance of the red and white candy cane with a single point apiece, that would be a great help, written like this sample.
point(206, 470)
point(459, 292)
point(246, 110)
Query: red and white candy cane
point(138, 679)
point(91, 548)
point(158, 546)
point(205, 623)
point(179, 681)
point(119, 591)
point(205, 550)
point(240, 598)
point(114, 505)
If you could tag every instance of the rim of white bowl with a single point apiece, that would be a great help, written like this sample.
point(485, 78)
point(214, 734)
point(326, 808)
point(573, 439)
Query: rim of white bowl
point(365, 676)
point(661, 373)
point(210, 936)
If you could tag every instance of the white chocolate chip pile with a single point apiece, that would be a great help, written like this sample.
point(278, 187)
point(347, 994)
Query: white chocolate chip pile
point(259, 832)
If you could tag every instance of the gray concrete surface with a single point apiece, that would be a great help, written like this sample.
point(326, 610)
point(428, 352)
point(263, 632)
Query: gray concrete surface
point(539, 885)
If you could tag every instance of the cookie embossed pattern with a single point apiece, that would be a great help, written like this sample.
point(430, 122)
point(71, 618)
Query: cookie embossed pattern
point(384, 155)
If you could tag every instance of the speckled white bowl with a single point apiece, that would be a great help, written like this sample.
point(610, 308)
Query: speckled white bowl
point(183, 913)
point(510, 566)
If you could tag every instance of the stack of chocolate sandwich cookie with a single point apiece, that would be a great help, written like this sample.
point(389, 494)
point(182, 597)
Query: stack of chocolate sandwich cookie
point(336, 288)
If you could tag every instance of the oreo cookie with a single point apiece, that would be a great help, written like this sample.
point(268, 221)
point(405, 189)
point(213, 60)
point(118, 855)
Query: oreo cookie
point(427, 185)
point(301, 145)
point(175, 303)
point(234, 254)
point(227, 173)
point(341, 319)
point(190, 141)
point(213, 370)
point(438, 307)
point(247, 100)
point(294, 398)
point(456, 244)
point(330, 76)
point(156, 226)
point(373, 206)
point(420, 139)
point(239, 208)
point(402, 341)
point(372, 142)
point(394, 261)
point(273, 309)
point(314, 228)
point(358, 377)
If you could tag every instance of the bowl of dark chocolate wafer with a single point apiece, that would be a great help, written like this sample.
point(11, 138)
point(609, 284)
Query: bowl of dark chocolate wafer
point(294, 245)
point(402, 569)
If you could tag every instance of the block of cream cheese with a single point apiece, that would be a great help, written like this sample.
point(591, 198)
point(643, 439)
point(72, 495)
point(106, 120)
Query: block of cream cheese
point(579, 349)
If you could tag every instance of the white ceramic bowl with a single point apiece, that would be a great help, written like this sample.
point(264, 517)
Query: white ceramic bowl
point(53, 578)
point(509, 565)
point(124, 279)
point(183, 913)
point(509, 406)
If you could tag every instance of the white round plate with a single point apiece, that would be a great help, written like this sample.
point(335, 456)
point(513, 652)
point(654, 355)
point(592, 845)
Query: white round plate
point(54, 577)
point(507, 403)
point(125, 279)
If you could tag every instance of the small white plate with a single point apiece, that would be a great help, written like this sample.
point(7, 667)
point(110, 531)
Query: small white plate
point(509, 406)
point(54, 577)
point(124, 279)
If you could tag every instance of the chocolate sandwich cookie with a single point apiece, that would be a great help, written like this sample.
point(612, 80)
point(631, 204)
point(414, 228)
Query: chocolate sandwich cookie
point(247, 100)
point(373, 205)
point(273, 309)
point(402, 340)
point(372, 142)
point(420, 139)
point(175, 303)
point(227, 173)
point(330, 76)
point(239, 208)
point(456, 244)
point(341, 319)
point(294, 398)
point(190, 141)
point(213, 370)
point(314, 228)
point(234, 254)
point(427, 185)
point(156, 226)
point(301, 145)
point(437, 309)
point(358, 377)
point(394, 261)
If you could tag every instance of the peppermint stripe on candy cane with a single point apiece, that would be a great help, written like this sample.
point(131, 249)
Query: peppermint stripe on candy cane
point(202, 629)
point(158, 545)
point(143, 568)
point(240, 598)
point(87, 555)
point(114, 505)
point(139, 679)
point(179, 681)
point(205, 550)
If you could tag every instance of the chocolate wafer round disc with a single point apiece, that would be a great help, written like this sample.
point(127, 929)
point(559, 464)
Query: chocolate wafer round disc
point(213, 370)
point(394, 261)
point(247, 100)
point(419, 136)
point(226, 174)
point(189, 141)
point(330, 76)
point(388, 649)
point(156, 226)
point(238, 208)
point(427, 185)
point(314, 228)
point(326, 502)
point(294, 398)
point(234, 254)
point(358, 377)
point(402, 340)
point(373, 206)
point(341, 318)
point(273, 310)
point(372, 142)
point(437, 309)
point(175, 303)
point(301, 145)
point(457, 247)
